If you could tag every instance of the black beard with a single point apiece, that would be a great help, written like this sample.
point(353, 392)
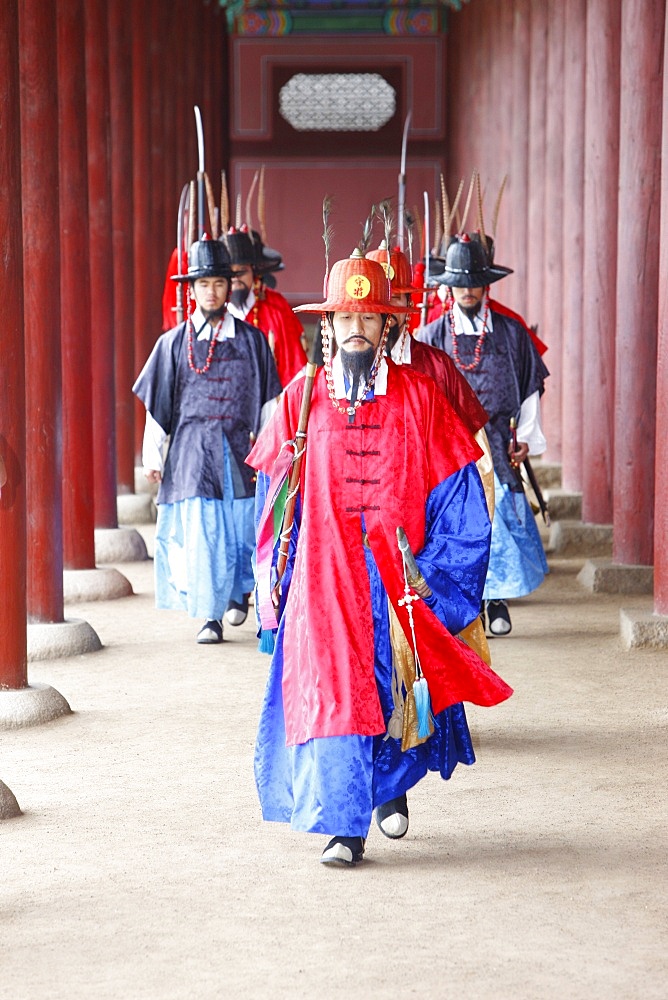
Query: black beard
point(216, 314)
point(357, 365)
point(239, 296)
point(472, 311)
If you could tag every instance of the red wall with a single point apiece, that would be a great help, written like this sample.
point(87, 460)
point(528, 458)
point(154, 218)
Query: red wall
point(357, 170)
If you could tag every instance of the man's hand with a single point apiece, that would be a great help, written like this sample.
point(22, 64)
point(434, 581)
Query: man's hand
point(154, 476)
point(517, 457)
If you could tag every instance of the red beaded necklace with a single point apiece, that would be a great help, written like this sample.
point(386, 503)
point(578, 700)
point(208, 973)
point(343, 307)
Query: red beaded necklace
point(477, 353)
point(257, 288)
point(329, 376)
point(191, 349)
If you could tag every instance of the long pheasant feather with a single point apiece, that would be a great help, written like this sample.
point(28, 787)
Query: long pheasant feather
point(445, 209)
point(367, 231)
point(261, 207)
point(224, 203)
point(481, 221)
point(249, 200)
point(468, 200)
point(327, 235)
point(497, 205)
point(453, 210)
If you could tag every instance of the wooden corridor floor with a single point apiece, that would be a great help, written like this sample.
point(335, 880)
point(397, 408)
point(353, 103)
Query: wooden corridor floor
point(141, 869)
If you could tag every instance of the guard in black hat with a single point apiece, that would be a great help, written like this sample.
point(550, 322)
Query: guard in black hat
point(497, 357)
point(209, 385)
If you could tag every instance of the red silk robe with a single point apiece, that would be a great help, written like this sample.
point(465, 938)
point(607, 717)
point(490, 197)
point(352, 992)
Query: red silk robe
point(382, 467)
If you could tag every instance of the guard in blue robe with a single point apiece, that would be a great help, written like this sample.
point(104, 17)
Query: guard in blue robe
point(501, 364)
point(207, 386)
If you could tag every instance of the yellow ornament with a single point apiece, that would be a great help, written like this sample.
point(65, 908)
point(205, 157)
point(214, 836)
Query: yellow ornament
point(358, 286)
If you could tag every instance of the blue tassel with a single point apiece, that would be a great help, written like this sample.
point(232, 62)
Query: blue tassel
point(422, 708)
point(266, 644)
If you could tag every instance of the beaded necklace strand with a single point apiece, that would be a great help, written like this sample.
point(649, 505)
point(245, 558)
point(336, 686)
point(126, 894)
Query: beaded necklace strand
point(191, 344)
point(368, 385)
point(257, 287)
point(477, 353)
point(191, 351)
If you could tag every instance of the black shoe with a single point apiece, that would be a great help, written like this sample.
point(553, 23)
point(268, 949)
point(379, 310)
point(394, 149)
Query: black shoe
point(498, 616)
point(237, 614)
point(210, 632)
point(345, 851)
point(482, 615)
point(392, 818)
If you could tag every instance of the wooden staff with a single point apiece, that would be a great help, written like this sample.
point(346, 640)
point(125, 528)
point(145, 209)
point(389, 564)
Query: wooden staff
point(295, 473)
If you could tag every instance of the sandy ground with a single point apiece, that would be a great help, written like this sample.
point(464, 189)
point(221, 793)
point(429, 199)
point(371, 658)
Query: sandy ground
point(141, 867)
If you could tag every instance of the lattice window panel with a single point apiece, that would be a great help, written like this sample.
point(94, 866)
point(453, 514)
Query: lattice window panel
point(337, 102)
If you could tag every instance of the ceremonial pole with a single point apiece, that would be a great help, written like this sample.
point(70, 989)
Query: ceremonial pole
point(401, 200)
point(200, 174)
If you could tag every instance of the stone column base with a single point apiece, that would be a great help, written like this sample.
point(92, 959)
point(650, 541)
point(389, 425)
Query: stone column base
point(643, 629)
point(564, 505)
point(602, 576)
point(9, 807)
point(573, 538)
point(118, 545)
point(31, 706)
point(136, 508)
point(106, 584)
point(52, 640)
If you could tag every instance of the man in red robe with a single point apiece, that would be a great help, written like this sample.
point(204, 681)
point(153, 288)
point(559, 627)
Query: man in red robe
point(344, 730)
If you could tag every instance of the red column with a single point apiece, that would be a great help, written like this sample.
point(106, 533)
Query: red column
point(661, 462)
point(638, 276)
point(600, 256)
point(141, 233)
point(13, 656)
point(41, 273)
point(536, 192)
point(518, 180)
point(552, 228)
point(101, 263)
point(170, 187)
point(156, 264)
point(120, 87)
point(575, 15)
point(78, 490)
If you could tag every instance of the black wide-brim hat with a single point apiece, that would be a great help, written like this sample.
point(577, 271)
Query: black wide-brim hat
point(266, 260)
point(207, 258)
point(467, 265)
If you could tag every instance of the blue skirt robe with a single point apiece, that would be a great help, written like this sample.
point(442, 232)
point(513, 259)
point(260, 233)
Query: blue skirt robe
point(331, 785)
point(203, 550)
point(517, 563)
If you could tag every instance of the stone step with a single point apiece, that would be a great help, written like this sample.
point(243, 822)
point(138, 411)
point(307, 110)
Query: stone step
point(564, 505)
point(642, 629)
point(602, 576)
point(548, 474)
point(573, 538)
